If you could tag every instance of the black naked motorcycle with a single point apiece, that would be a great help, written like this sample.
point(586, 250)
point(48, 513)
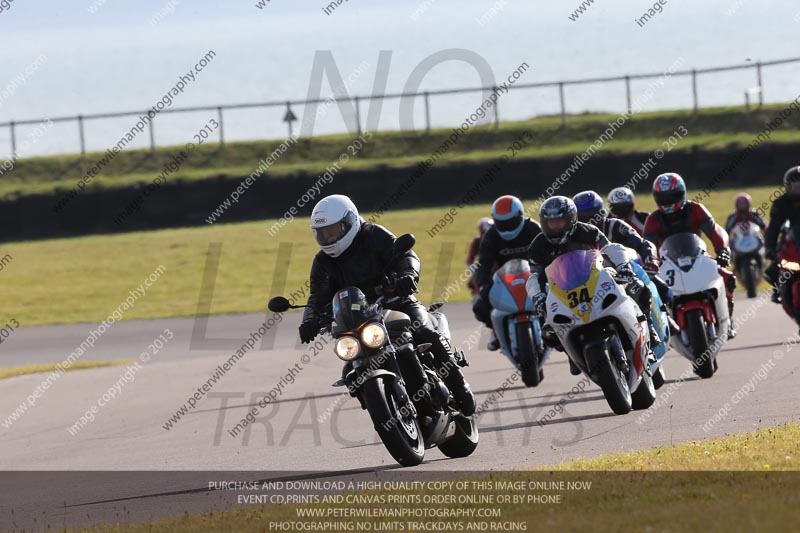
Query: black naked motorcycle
point(392, 378)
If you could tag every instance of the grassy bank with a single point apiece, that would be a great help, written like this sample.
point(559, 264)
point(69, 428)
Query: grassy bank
point(743, 498)
point(85, 279)
point(711, 128)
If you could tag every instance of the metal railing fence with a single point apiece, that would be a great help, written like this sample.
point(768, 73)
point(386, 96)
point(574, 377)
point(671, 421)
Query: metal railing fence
point(758, 67)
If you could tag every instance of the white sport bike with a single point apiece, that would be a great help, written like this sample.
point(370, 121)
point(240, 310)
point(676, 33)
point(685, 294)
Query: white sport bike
point(699, 307)
point(747, 244)
point(600, 327)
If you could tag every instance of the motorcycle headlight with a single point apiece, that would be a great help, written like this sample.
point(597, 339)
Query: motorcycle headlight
point(347, 348)
point(373, 335)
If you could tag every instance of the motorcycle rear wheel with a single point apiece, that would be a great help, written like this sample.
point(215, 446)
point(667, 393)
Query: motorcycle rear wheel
point(659, 377)
point(400, 435)
point(465, 440)
point(645, 394)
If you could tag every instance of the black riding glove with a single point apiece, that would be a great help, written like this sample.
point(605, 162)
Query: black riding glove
point(625, 274)
point(482, 310)
point(308, 330)
point(539, 301)
point(405, 285)
point(724, 258)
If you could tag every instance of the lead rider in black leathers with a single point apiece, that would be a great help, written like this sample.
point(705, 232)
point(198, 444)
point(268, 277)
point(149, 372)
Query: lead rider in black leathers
point(356, 253)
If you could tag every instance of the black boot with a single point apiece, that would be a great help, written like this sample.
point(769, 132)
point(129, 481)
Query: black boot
point(494, 344)
point(450, 372)
point(776, 295)
point(573, 368)
point(461, 391)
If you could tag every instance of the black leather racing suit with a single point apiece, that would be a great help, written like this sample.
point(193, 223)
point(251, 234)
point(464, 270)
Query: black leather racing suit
point(784, 208)
point(363, 265)
point(494, 252)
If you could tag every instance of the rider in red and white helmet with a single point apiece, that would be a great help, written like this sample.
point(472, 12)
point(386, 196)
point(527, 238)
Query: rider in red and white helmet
point(744, 213)
point(676, 214)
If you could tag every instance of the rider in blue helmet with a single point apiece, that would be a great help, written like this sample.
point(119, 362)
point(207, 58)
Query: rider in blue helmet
point(591, 210)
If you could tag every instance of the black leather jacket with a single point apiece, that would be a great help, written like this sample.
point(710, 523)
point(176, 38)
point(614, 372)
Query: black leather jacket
point(543, 252)
point(362, 265)
point(783, 208)
point(495, 251)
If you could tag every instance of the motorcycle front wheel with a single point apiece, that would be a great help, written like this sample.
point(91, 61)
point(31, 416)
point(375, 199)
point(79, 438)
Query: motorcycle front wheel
point(703, 363)
point(611, 379)
point(527, 355)
point(400, 433)
point(752, 278)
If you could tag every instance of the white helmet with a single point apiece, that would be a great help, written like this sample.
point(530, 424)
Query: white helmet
point(335, 223)
point(621, 201)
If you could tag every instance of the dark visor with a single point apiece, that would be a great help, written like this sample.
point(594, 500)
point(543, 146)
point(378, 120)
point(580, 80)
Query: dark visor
point(668, 197)
point(622, 210)
point(328, 235)
point(508, 225)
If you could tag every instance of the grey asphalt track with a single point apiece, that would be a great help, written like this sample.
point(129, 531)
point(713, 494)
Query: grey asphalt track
point(311, 427)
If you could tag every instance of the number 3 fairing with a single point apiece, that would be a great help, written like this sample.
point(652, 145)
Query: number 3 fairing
point(699, 306)
point(601, 328)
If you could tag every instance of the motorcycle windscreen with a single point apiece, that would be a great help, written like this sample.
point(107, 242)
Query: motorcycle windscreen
point(513, 275)
point(683, 248)
point(351, 309)
point(572, 269)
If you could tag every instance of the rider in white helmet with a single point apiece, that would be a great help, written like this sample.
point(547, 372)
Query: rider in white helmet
point(622, 205)
point(355, 253)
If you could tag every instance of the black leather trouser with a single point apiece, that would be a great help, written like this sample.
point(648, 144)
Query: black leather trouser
point(423, 331)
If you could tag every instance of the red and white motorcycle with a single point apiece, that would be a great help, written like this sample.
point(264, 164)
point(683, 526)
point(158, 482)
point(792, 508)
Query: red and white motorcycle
point(699, 307)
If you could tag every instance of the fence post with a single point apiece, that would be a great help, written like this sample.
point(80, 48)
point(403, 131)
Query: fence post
point(221, 127)
point(496, 110)
point(152, 135)
point(82, 136)
point(760, 86)
point(628, 93)
point(563, 107)
point(694, 90)
point(427, 113)
point(358, 115)
point(13, 141)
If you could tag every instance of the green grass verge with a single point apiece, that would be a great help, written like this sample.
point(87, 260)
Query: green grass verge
point(711, 128)
point(85, 279)
point(766, 449)
point(14, 371)
point(743, 498)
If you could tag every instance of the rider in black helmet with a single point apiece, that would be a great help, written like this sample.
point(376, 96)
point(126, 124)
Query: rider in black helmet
point(563, 233)
point(785, 208)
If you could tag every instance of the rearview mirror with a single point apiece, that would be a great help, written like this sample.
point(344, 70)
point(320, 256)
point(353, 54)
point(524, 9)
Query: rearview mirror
point(404, 243)
point(279, 304)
